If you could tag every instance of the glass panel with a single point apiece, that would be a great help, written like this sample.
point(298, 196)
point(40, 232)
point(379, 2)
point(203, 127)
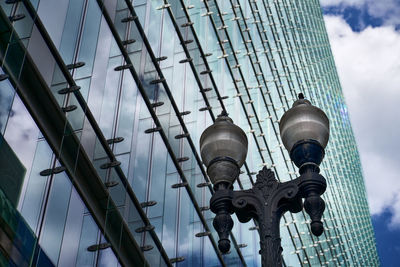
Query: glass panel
point(89, 237)
point(56, 213)
point(88, 43)
point(6, 100)
point(35, 190)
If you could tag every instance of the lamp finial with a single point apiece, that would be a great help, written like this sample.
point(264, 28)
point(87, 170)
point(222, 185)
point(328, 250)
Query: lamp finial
point(223, 113)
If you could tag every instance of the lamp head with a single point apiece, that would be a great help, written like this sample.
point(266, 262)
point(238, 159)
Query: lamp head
point(223, 149)
point(304, 131)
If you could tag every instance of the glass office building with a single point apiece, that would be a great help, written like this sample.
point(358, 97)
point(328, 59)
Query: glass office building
point(102, 104)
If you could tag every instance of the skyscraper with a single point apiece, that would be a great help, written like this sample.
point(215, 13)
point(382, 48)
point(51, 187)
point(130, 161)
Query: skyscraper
point(102, 107)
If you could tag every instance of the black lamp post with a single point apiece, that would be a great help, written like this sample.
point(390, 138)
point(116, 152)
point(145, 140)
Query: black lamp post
point(304, 131)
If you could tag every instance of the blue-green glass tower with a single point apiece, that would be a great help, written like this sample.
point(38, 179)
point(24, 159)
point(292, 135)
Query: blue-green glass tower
point(102, 104)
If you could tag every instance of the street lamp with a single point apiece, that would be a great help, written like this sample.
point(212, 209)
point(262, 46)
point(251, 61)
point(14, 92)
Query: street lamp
point(304, 131)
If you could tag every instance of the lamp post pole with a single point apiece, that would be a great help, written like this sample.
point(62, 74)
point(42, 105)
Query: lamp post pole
point(305, 133)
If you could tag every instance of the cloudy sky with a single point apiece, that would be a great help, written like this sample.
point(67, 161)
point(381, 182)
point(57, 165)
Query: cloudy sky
point(365, 40)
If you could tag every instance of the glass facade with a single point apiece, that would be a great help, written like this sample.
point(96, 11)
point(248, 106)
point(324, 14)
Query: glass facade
point(102, 104)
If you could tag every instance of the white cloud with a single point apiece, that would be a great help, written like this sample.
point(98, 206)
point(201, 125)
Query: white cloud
point(368, 63)
point(342, 2)
point(386, 10)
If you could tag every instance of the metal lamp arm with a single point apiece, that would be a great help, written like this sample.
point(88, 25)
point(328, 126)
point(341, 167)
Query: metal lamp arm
point(266, 202)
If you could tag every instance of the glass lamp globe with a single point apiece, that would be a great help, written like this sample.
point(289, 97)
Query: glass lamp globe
point(304, 131)
point(223, 145)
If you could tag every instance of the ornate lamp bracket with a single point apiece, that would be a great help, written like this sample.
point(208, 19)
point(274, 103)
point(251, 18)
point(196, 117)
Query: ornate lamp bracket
point(266, 202)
